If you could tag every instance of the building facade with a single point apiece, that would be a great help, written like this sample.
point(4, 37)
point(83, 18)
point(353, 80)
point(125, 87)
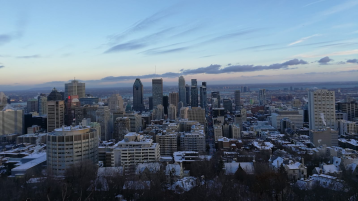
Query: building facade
point(55, 114)
point(321, 109)
point(138, 104)
point(262, 97)
point(157, 92)
point(194, 93)
point(182, 91)
point(11, 121)
point(115, 103)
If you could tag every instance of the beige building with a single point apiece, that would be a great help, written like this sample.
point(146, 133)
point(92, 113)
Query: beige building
point(135, 149)
point(174, 98)
point(321, 109)
point(168, 143)
point(55, 114)
point(103, 117)
point(75, 88)
point(115, 103)
point(328, 137)
point(172, 112)
point(70, 145)
point(184, 112)
point(296, 117)
point(218, 132)
point(347, 127)
point(296, 103)
point(11, 121)
point(235, 130)
point(197, 114)
point(158, 112)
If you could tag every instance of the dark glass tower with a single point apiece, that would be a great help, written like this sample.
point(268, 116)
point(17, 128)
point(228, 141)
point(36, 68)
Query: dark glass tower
point(138, 104)
point(194, 93)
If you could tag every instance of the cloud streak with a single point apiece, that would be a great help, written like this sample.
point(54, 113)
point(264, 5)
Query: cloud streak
point(29, 57)
point(303, 39)
point(352, 61)
point(2, 66)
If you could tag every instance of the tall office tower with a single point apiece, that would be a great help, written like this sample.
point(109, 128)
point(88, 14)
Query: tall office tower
point(182, 91)
point(187, 95)
point(54, 95)
point(75, 88)
point(321, 109)
point(103, 117)
point(180, 105)
point(165, 104)
point(262, 96)
point(55, 114)
point(67, 146)
point(138, 104)
point(194, 93)
point(11, 121)
point(150, 102)
point(174, 98)
point(351, 108)
point(158, 112)
point(115, 103)
point(172, 112)
point(203, 96)
point(215, 94)
point(72, 104)
point(237, 100)
point(32, 105)
point(42, 104)
point(135, 149)
point(157, 92)
point(227, 104)
point(121, 127)
point(184, 112)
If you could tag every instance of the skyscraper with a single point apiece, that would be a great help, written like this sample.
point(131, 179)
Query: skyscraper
point(32, 105)
point(172, 112)
point(237, 99)
point(321, 109)
point(42, 102)
point(55, 114)
point(174, 98)
point(187, 95)
point(157, 92)
point(262, 96)
point(11, 121)
point(182, 91)
point(215, 95)
point(203, 95)
point(138, 104)
point(165, 104)
point(75, 88)
point(194, 93)
point(227, 104)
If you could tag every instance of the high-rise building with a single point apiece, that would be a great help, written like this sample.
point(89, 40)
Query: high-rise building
point(227, 104)
point(237, 100)
point(115, 103)
point(32, 105)
point(11, 121)
point(138, 104)
point(103, 117)
point(174, 98)
point(158, 112)
point(75, 88)
point(168, 143)
point(184, 112)
point(54, 95)
point(351, 108)
point(182, 91)
point(321, 109)
point(172, 112)
point(194, 93)
point(165, 104)
point(55, 114)
point(215, 94)
point(71, 110)
point(42, 104)
point(157, 92)
point(262, 96)
point(203, 95)
point(3, 100)
point(194, 141)
point(67, 146)
point(187, 95)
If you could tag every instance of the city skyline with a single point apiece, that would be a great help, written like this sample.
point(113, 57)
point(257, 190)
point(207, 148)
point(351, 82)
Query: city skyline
point(163, 41)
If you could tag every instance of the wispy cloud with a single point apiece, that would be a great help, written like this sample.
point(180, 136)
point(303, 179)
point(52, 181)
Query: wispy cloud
point(29, 57)
point(325, 60)
point(2, 66)
point(348, 52)
point(312, 3)
point(339, 8)
point(303, 39)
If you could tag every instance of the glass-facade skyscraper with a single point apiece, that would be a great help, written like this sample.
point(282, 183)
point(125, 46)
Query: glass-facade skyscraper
point(194, 93)
point(138, 104)
point(157, 92)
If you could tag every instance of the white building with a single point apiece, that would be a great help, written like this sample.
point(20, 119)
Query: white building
point(172, 112)
point(11, 121)
point(115, 103)
point(135, 149)
point(321, 109)
point(70, 145)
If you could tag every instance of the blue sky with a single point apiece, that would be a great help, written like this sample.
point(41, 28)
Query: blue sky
point(109, 43)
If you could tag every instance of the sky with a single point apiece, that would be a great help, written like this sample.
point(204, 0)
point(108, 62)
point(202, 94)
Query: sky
point(110, 43)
